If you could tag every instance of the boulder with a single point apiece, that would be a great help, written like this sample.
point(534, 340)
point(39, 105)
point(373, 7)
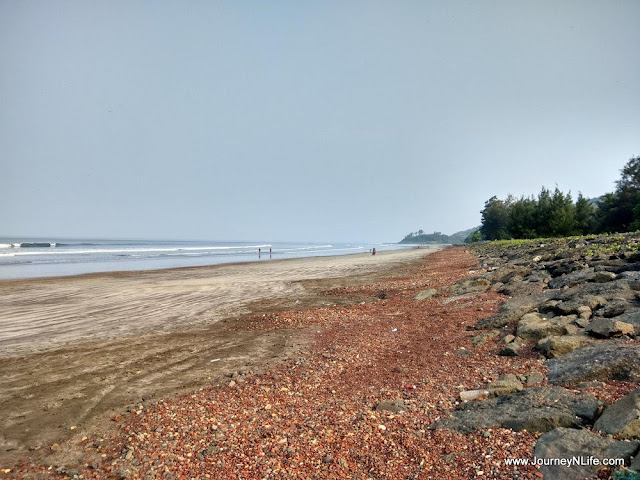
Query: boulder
point(576, 305)
point(516, 273)
point(606, 360)
point(554, 346)
point(569, 443)
point(609, 327)
point(505, 384)
point(608, 291)
point(630, 275)
point(511, 310)
point(511, 349)
point(533, 326)
point(584, 312)
point(572, 279)
point(631, 316)
point(549, 306)
point(504, 317)
point(604, 276)
point(537, 409)
point(622, 418)
point(613, 309)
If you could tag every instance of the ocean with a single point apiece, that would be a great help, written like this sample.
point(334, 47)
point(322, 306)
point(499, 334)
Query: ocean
point(36, 257)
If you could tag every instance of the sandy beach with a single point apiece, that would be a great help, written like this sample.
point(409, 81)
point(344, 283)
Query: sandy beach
point(41, 314)
point(76, 350)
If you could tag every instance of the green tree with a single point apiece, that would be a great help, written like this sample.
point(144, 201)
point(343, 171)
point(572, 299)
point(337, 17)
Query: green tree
point(522, 218)
point(543, 213)
point(586, 221)
point(628, 195)
point(562, 217)
point(620, 211)
point(495, 219)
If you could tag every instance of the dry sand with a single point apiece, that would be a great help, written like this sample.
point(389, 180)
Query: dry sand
point(74, 350)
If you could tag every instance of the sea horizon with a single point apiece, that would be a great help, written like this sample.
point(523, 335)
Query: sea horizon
point(41, 257)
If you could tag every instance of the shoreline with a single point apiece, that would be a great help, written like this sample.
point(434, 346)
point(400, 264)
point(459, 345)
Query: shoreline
point(125, 273)
point(208, 265)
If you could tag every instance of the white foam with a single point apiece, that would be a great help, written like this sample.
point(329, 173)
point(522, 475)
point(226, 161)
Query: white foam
point(139, 250)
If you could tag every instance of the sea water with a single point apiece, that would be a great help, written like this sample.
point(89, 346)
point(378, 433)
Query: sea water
point(39, 257)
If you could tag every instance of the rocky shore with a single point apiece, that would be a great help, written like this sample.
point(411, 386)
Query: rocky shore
point(575, 301)
point(544, 329)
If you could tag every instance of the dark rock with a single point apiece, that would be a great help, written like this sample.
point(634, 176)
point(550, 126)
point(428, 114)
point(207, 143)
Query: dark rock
point(511, 349)
point(558, 269)
point(609, 327)
point(512, 310)
point(572, 279)
point(538, 277)
point(622, 418)
point(613, 309)
point(549, 306)
point(575, 305)
point(607, 360)
point(537, 409)
point(569, 443)
point(630, 275)
point(504, 318)
point(618, 289)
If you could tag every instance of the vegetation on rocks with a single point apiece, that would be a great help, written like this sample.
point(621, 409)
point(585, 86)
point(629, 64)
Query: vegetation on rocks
point(575, 300)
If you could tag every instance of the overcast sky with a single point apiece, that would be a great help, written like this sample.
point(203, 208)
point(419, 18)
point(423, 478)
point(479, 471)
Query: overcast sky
point(312, 120)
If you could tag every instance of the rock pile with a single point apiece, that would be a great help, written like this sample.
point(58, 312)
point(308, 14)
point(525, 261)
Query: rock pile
point(577, 302)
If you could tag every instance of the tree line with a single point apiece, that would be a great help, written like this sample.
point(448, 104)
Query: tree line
point(556, 214)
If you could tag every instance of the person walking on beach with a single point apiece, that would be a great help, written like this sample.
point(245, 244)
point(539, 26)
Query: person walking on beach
point(259, 251)
point(373, 252)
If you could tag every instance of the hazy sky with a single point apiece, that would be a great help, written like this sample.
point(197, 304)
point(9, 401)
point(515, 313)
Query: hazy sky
point(306, 120)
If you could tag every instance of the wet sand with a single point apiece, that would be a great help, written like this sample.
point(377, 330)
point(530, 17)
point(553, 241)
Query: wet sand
point(76, 350)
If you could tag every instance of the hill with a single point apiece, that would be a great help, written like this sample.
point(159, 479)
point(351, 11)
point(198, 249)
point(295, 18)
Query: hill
point(457, 238)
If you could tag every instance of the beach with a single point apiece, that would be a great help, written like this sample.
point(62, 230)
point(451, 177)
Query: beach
point(338, 367)
point(77, 350)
